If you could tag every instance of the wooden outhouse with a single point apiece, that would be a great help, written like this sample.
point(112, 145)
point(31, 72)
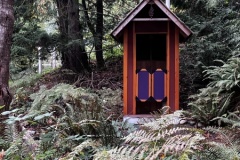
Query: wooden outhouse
point(150, 34)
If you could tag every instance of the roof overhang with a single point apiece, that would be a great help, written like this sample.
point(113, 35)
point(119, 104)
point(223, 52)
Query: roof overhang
point(184, 30)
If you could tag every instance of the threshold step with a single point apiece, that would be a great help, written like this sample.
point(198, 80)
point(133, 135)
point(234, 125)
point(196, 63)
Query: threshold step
point(138, 119)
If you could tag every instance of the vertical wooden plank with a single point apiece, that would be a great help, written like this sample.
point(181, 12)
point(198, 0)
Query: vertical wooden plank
point(172, 66)
point(125, 69)
point(134, 69)
point(151, 87)
point(150, 84)
point(176, 68)
point(130, 71)
point(165, 86)
point(137, 89)
point(168, 66)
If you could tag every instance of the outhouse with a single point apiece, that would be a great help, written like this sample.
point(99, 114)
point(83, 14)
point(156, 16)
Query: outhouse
point(150, 35)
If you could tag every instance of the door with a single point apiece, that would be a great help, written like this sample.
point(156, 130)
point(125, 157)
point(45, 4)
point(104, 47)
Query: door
point(150, 72)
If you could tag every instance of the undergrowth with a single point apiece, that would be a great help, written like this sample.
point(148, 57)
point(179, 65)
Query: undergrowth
point(65, 122)
point(62, 121)
point(221, 96)
point(164, 139)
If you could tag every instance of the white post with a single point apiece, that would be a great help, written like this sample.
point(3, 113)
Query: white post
point(54, 59)
point(168, 3)
point(39, 61)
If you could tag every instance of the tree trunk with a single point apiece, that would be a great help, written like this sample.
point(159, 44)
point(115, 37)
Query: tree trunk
point(6, 30)
point(74, 56)
point(98, 32)
point(63, 28)
point(99, 35)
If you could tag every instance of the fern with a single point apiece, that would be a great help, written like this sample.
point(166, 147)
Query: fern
point(226, 76)
point(221, 95)
point(63, 117)
point(157, 139)
point(215, 36)
point(231, 118)
point(83, 150)
point(227, 148)
point(207, 105)
point(172, 143)
point(18, 148)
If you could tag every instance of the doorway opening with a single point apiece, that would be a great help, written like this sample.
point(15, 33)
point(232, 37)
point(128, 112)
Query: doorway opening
point(150, 72)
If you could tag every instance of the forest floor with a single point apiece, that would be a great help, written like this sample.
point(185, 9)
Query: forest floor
point(109, 77)
point(28, 82)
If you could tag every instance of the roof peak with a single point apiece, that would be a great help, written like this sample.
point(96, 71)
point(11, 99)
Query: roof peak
point(185, 31)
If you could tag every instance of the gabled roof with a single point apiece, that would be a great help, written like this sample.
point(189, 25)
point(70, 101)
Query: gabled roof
point(184, 30)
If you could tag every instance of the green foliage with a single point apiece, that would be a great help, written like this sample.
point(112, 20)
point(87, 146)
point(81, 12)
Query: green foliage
point(231, 118)
point(111, 101)
point(28, 36)
point(49, 154)
point(208, 105)
point(123, 128)
point(158, 139)
point(226, 148)
point(221, 95)
point(215, 36)
point(225, 77)
point(22, 85)
point(67, 100)
point(24, 51)
point(24, 79)
point(3, 144)
point(65, 118)
point(85, 150)
point(164, 139)
point(75, 122)
point(220, 152)
point(19, 147)
point(112, 15)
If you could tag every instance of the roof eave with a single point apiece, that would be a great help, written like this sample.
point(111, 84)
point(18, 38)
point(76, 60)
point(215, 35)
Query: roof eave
point(122, 24)
point(185, 31)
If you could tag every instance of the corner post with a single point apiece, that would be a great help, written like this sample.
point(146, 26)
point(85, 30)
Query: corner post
point(125, 71)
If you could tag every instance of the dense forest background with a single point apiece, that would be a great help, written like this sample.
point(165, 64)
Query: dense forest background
point(48, 24)
point(75, 111)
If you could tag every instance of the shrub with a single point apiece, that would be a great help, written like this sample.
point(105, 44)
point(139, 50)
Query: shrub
point(63, 117)
point(221, 95)
point(158, 139)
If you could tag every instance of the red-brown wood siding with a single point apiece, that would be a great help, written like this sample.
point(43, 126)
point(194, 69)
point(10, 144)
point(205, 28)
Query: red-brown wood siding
point(171, 97)
point(125, 66)
point(176, 68)
point(130, 87)
point(168, 66)
point(134, 68)
point(151, 26)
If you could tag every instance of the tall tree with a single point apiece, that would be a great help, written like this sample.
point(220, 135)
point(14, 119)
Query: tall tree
point(74, 56)
point(99, 35)
point(6, 30)
point(96, 28)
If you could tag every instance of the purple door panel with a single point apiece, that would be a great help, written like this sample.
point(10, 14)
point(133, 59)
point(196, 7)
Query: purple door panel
point(158, 85)
point(143, 85)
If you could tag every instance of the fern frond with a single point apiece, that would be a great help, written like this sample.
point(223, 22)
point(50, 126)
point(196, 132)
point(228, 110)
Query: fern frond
point(78, 151)
point(159, 138)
